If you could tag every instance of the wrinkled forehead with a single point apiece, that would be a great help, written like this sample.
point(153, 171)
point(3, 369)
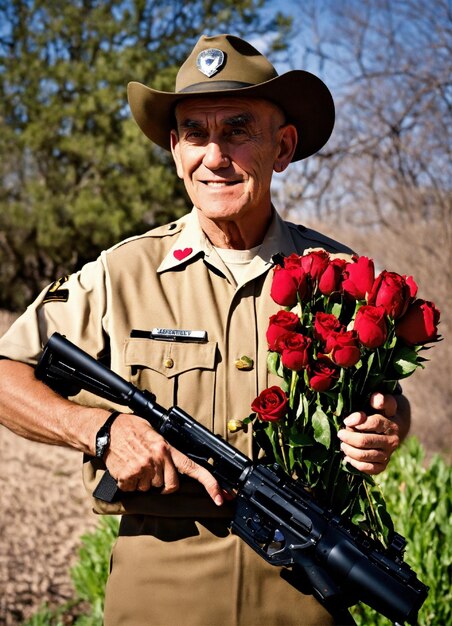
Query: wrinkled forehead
point(226, 107)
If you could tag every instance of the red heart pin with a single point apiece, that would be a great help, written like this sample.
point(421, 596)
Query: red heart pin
point(182, 254)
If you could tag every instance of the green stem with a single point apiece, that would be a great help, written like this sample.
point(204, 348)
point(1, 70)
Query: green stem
point(283, 449)
point(330, 483)
point(375, 524)
point(293, 388)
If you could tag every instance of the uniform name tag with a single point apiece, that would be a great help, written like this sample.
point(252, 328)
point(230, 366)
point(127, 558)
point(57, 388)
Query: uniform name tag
point(171, 334)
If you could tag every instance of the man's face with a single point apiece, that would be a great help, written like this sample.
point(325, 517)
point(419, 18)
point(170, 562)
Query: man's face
point(225, 150)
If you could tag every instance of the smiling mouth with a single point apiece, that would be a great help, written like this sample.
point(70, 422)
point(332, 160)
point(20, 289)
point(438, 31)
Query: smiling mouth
point(217, 184)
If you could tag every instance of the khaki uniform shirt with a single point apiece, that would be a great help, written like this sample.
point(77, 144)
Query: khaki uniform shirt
point(177, 545)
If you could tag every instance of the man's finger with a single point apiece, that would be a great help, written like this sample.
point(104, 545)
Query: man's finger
point(366, 455)
point(157, 475)
point(385, 404)
point(367, 468)
point(354, 419)
point(170, 478)
point(145, 479)
point(375, 423)
point(190, 468)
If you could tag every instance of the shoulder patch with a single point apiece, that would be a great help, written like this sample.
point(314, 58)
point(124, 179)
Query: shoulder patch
point(55, 293)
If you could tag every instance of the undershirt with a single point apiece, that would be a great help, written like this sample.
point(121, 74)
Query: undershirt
point(237, 261)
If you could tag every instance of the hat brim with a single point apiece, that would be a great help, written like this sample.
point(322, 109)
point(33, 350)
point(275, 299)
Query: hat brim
point(305, 99)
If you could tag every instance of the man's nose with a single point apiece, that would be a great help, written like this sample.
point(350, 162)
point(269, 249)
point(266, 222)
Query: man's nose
point(215, 157)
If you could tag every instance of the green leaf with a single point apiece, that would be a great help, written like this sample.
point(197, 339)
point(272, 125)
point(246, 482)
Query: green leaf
point(305, 405)
point(336, 309)
point(406, 361)
point(370, 361)
point(272, 434)
point(392, 342)
point(280, 372)
point(273, 362)
point(299, 440)
point(300, 409)
point(293, 389)
point(340, 403)
point(250, 419)
point(358, 518)
point(321, 426)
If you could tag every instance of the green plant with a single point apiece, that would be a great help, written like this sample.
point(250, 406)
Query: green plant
point(90, 573)
point(419, 499)
point(47, 617)
point(89, 576)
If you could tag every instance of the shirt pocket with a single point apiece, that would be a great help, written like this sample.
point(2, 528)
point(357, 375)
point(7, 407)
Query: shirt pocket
point(182, 374)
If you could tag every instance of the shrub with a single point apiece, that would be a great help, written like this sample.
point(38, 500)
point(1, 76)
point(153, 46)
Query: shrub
point(419, 500)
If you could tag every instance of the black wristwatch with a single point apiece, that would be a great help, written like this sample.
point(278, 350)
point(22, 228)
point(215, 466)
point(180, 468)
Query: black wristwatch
point(103, 435)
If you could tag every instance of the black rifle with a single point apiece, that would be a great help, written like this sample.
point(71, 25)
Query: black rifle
point(274, 515)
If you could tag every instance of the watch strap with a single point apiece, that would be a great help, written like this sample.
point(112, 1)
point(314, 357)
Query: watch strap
point(103, 434)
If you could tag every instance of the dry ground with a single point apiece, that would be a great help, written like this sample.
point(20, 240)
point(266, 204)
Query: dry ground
point(44, 511)
point(43, 514)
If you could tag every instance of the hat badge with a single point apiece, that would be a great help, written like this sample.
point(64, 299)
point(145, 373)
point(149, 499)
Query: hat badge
point(210, 61)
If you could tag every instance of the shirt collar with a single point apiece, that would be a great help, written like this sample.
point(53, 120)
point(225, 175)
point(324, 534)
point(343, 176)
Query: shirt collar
point(278, 239)
point(192, 242)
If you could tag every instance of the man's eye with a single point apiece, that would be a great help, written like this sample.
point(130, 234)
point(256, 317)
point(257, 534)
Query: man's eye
point(237, 131)
point(194, 134)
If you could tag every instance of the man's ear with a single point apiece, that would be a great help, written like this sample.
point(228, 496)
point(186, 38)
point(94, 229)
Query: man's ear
point(287, 141)
point(175, 151)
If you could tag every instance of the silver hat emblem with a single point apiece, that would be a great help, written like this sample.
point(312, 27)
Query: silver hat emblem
point(210, 61)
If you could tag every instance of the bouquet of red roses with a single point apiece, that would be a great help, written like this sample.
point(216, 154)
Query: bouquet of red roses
point(342, 334)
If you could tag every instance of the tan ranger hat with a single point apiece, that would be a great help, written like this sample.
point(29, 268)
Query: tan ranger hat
point(225, 65)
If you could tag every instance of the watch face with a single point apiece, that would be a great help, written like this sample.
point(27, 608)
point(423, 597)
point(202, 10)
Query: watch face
point(101, 444)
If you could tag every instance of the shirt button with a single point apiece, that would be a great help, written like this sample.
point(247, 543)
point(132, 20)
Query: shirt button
point(234, 425)
point(168, 363)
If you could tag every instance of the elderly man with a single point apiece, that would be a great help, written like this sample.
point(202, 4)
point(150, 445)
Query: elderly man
point(231, 122)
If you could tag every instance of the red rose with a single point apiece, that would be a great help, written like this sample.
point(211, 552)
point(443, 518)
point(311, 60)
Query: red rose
point(419, 324)
point(284, 287)
point(358, 277)
point(292, 262)
point(315, 263)
point(392, 292)
point(412, 285)
point(324, 324)
point(342, 347)
point(330, 280)
point(370, 324)
point(322, 374)
point(294, 350)
point(280, 324)
point(288, 281)
point(271, 404)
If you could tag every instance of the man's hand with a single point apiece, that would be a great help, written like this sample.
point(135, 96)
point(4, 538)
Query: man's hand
point(139, 458)
point(368, 441)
